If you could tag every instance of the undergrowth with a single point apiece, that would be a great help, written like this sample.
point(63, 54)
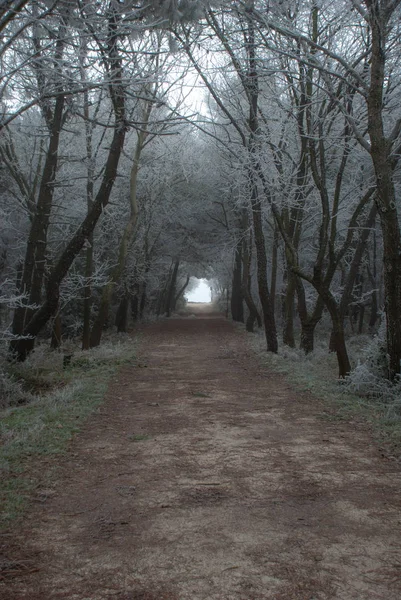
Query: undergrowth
point(317, 373)
point(41, 425)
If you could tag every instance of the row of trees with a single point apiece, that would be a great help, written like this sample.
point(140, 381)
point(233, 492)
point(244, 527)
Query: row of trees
point(307, 97)
point(285, 182)
point(88, 89)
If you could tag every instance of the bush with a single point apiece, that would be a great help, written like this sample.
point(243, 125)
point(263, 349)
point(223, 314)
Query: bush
point(370, 376)
point(12, 392)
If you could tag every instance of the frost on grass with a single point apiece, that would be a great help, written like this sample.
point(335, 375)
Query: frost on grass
point(11, 390)
point(366, 389)
point(369, 377)
point(44, 423)
point(110, 350)
point(43, 373)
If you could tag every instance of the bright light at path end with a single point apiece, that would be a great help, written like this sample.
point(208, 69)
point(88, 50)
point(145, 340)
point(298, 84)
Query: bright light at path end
point(202, 292)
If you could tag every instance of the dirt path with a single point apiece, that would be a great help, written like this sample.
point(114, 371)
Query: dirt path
point(205, 478)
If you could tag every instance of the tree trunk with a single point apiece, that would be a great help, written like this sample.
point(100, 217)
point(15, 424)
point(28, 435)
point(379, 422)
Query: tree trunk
point(246, 284)
point(361, 318)
point(56, 332)
point(87, 296)
point(171, 288)
point(161, 299)
point(89, 200)
point(142, 303)
point(35, 256)
point(255, 169)
point(273, 281)
point(22, 347)
point(288, 329)
point(374, 314)
point(337, 335)
point(332, 342)
point(308, 327)
point(265, 300)
point(237, 306)
point(135, 307)
point(122, 315)
point(308, 322)
point(74, 246)
point(308, 336)
point(379, 14)
point(338, 340)
point(181, 292)
point(351, 277)
point(126, 239)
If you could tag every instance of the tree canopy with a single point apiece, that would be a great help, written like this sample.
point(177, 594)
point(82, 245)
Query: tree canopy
point(255, 144)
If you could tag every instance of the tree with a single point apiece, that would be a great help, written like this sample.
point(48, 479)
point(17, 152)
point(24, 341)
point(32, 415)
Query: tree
point(249, 135)
point(368, 70)
point(35, 322)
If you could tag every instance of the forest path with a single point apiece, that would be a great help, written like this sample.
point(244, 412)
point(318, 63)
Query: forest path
point(204, 477)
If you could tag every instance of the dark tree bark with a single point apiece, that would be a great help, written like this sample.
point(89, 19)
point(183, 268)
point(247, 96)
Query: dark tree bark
point(126, 238)
point(237, 305)
point(87, 296)
point(87, 308)
point(35, 256)
point(308, 321)
point(41, 317)
point(379, 14)
point(143, 301)
point(57, 332)
point(249, 80)
point(246, 280)
point(171, 288)
point(372, 274)
point(181, 292)
point(135, 307)
point(273, 280)
point(9, 10)
point(252, 88)
point(308, 336)
point(288, 310)
point(122, 314)
point(361, 318)
point(60, 270)
point(264, 295)
point(339, 310)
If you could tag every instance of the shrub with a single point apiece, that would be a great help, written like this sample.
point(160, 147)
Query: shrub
point(369, 378)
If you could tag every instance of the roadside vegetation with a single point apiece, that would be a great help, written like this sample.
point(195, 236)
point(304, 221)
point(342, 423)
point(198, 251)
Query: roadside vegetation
point(366, 396)
point(49, 402)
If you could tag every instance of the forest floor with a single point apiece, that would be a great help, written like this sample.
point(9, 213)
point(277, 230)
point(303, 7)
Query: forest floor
point(203, 476)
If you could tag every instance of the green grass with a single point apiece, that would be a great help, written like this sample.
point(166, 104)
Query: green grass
point(32, 434)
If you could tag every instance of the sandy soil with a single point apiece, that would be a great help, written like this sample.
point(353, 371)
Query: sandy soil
point(204, 477)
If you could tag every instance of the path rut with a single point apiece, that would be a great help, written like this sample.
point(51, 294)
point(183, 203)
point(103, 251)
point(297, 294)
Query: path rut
point(205, 477)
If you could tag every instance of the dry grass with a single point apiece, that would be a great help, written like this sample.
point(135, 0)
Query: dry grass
point(317, 373)
point(53, 403)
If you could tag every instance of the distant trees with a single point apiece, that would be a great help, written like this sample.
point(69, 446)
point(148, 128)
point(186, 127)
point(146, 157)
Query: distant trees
point(310, 89)
point(88, 78)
